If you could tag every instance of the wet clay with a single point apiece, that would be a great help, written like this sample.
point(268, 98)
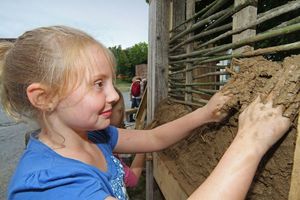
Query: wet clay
point(192, 160)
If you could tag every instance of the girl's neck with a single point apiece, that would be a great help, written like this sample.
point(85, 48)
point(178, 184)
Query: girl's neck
point(57, 135)
point(62, 138)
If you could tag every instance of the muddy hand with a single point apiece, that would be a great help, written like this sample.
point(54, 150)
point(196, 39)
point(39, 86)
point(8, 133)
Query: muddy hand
point(262, 125)
point(215, 104)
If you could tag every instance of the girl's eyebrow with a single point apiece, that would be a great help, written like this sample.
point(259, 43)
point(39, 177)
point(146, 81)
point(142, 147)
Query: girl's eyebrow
point(97, 76)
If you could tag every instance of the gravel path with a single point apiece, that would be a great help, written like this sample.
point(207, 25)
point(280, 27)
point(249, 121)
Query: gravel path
point(11, 147)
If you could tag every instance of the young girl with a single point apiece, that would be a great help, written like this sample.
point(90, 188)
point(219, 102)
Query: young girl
point(63, 78)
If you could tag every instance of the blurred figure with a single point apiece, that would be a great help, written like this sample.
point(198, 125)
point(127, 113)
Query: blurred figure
point(132, 173)
point(135, 94)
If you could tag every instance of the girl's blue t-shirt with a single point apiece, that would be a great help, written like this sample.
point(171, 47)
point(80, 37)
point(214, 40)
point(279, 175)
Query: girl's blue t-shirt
point(43, 174)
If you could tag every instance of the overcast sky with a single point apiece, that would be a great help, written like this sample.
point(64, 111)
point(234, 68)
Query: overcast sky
point(112, 22)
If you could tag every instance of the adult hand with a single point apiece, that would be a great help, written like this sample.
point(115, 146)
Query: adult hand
point(261, 125)
point(215, 104)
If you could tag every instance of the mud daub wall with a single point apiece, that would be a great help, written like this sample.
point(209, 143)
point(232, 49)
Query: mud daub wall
point(193, 159)
point(206, 35)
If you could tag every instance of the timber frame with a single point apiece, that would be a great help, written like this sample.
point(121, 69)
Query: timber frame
point(166, 20)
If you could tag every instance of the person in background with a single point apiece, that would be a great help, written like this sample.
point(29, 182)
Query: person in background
point(132, 173)
point(63, 78)
point(135, 94)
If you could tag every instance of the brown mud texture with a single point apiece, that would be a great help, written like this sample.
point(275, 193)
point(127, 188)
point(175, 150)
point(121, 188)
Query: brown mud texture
point(193, 159)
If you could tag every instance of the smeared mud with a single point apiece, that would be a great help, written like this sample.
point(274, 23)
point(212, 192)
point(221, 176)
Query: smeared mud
point(193, 159)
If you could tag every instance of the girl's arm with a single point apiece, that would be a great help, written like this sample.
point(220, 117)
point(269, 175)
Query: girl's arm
point(133, 173)
point(137, 164)
point(260, 126)
point(135, 141)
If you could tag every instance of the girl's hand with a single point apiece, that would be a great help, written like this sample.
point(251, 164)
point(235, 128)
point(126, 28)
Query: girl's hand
point(214, 105)
point(261, 125)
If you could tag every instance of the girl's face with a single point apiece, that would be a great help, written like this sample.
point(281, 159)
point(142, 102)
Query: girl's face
point(89, 106)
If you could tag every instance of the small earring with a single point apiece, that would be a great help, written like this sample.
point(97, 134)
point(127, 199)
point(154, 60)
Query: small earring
point(50, 109)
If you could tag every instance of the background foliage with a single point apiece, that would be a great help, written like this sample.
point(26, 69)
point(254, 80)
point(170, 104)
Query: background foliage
point(128, 58)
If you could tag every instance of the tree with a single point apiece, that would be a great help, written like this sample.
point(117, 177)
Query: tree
point(137, 54)
point(122, 61)
point(127, 59)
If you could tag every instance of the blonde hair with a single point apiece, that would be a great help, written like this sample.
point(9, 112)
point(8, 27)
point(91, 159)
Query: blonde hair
point(47, 55)
point(118, 111)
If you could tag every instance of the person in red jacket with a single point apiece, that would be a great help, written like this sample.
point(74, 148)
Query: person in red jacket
point(135, 94)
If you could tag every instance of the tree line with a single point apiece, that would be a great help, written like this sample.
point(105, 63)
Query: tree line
point(128, 58)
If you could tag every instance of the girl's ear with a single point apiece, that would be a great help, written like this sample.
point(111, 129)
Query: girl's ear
point(38, 95)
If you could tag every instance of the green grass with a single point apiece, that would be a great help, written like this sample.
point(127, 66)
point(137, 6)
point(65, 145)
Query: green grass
point(123, 85)
point(138, 192)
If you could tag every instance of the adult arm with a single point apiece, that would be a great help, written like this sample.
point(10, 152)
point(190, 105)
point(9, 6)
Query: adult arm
point(260, 126)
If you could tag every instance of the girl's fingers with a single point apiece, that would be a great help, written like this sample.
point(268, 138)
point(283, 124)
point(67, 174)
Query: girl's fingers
point(269, 102)
point(258, 99)
point(270, 97)
point(253, 105)
point(226, 93)
point(279, 109)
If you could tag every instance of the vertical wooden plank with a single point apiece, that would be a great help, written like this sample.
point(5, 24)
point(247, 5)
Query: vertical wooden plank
point(178, 14)
point(244, 17)
point(140, 115)
point(149, 180)
point(190, 11)
point(169, 185)
point(294, 193)
point(178, 17)
point(157, 86)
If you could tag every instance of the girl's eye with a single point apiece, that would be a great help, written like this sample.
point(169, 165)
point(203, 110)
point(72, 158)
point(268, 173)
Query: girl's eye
point(99, 84)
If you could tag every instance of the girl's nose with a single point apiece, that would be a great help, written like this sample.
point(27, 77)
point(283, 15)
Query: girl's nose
point(112, 96)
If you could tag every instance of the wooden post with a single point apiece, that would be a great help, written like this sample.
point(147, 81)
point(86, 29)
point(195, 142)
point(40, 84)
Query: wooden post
point(170, 186)
point(246, 16)
point(190, 11)
point(157, 77)
point(294, 193)
point(157, 85)
point(178, 15)
point(177, 21)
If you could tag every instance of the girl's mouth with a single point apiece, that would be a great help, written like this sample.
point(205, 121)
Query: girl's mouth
point(106, 113)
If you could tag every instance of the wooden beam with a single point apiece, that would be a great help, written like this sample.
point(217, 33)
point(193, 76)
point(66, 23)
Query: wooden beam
point(190, 11)
point(158, 63)
point(294, 193)
point(177, 15)
point(246, 16)
point(168, 184)
point(157, 76)
point(128, 112)
point(140, 116)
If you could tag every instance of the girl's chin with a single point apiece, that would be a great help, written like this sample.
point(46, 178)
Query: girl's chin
point(103, 124)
